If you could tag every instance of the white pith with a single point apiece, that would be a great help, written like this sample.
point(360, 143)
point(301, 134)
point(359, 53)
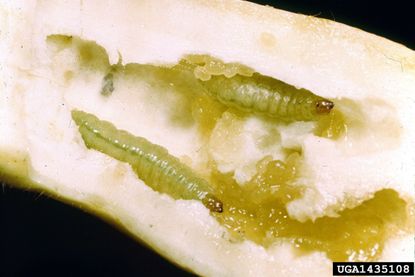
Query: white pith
point(35, 105)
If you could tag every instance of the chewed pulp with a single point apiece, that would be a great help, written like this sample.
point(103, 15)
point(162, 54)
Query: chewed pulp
point(257, 211)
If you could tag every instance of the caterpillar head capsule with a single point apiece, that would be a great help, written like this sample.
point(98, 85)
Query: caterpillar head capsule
point(324, 106)
point(212, 203)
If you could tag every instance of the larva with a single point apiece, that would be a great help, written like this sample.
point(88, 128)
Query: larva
point(152, 163)
point(265, 95)
point(256, 93)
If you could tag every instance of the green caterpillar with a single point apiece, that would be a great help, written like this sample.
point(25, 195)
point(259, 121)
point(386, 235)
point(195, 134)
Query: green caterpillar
point(265, 95)
point(152, 163)
point(252, 92)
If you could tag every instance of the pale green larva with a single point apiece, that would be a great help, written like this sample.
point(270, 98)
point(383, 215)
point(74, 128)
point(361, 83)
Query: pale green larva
point(240, 87)
point(268, 96)
point(152, 163)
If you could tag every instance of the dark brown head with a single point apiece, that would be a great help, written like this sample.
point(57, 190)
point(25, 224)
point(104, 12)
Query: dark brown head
point(212, 203)
point(324, 106)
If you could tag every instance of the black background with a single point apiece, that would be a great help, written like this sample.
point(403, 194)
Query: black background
point(40, 236)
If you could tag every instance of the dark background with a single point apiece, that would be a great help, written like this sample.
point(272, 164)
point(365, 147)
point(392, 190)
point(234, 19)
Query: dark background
point(40, 236)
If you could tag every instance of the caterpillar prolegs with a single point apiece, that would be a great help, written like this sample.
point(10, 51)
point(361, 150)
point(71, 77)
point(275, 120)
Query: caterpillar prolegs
point(152, 163)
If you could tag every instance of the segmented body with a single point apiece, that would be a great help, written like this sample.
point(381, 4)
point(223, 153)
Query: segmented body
point(268, 96)
point(152, 163)
point(240, 87)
